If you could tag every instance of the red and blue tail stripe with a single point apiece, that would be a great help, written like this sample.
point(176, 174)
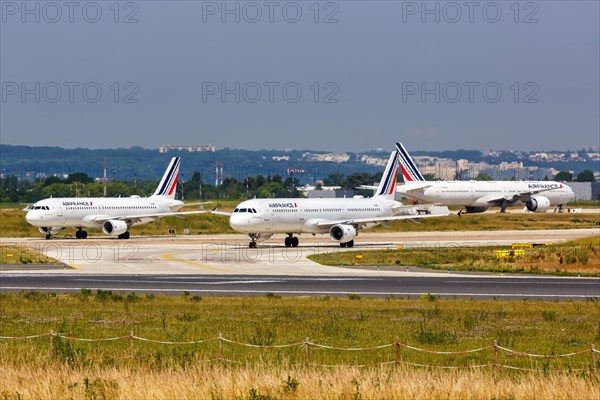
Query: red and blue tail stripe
point(168, 183)
point(410, 172)
point(387, 186)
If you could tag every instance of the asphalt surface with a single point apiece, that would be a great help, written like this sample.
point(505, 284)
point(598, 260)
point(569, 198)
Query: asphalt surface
point(222, 265)
point(502, 287)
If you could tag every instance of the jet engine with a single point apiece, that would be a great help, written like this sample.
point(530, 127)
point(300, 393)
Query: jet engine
point(538, 204)
point(259, 237)
point(342, 233)
point(114, 227)
point(46, 230)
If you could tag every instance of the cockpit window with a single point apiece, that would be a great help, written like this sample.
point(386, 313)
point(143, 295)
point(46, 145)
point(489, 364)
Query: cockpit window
point(245, 210)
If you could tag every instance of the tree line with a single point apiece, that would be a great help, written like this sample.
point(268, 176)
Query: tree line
point(13, 190)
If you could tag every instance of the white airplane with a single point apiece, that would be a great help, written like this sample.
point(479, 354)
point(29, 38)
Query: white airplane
point(259, 219)
point(115, 215)
point(478, 196)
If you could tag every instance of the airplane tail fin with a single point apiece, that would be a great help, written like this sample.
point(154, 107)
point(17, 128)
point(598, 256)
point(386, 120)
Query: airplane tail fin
point(168, 183)
point(387, 186)
point(410, 172)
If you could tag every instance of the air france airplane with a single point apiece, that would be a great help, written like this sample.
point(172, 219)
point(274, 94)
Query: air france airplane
point(478, 196)
point(259, 219)
point(115, 215)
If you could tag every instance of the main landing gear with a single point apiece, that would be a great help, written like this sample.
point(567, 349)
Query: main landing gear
point(81, 234)
point(124, 235)
point(291, 240)
point(48, 236)
point(347, 244)
point(503, 205)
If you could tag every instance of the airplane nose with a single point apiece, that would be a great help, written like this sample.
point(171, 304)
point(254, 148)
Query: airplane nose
point(236, 222)
point(31, 218)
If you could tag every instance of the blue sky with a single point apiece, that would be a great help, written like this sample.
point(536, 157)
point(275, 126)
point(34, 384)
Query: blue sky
point(339, 76)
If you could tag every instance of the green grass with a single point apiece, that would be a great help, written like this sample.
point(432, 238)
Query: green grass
point(581, 256)
point(431, 323)
point(14, 254)
point(584, 203)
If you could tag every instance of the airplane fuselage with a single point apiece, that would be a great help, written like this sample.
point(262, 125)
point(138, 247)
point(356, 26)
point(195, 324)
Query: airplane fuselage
point(86, 211)
point(477, 193)
point(302, 215)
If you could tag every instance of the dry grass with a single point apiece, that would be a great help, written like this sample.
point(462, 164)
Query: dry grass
point(12, 254)
point(258, 382)
point(569, 258)
point(79, 370)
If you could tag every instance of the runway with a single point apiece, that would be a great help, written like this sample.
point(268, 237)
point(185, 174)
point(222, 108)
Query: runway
point(509, 287)
point(230, 255)
point(224, 265)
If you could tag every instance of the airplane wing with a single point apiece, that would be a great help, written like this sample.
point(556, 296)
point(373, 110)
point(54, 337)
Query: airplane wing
point(196, 204)
point(411, 187)
point(217, 212)
point(102, 218)
point(437, 211)
point(406, 188)
point(523, 196)
point(367, 187)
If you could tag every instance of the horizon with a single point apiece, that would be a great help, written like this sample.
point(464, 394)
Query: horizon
point(586, 148)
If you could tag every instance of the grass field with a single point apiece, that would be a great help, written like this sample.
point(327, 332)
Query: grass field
point(581, 256)
point(11, 254)
point(30, 369)
point(13, 224)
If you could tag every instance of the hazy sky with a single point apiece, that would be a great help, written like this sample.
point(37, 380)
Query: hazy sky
point(340, 76)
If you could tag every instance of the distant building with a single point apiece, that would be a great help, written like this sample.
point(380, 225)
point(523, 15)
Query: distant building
point(168, 147)
point(585, 190)
point(329, 194)
point(329, 157)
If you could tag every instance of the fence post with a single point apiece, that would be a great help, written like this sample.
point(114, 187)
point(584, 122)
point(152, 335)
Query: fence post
point(131, 346)
point(307, 352)
point(593, 358)
point(495, 356)
point(397, 353)
point(220, 346)
point(51, 341)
